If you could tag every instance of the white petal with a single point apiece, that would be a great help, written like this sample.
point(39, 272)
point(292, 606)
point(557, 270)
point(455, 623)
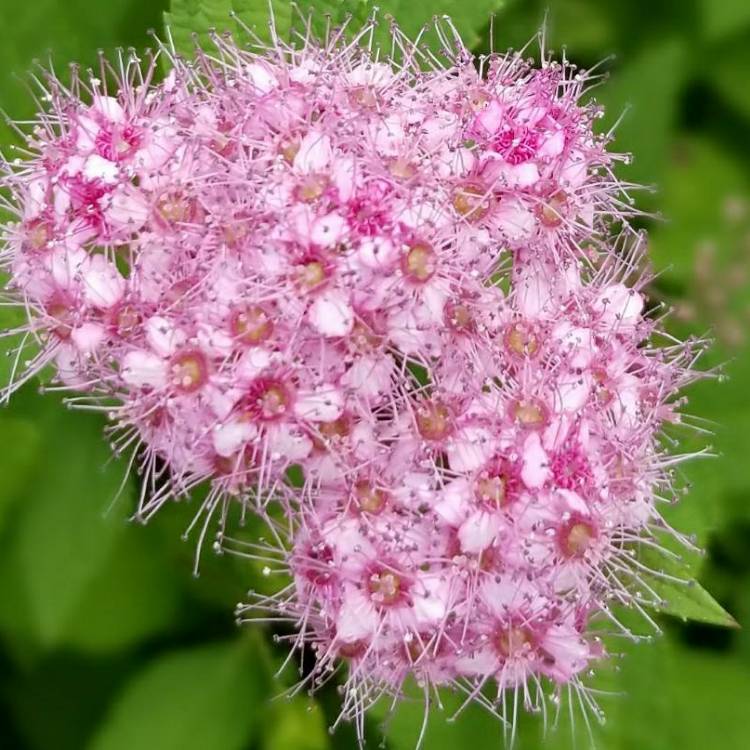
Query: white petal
point(141, 368)
point(230, 437)
point(357, 618)
point(370, 376)
point(554, 145)
point(163, 336)
point(490, 118)
point(324, 404)
point(314, 153)
point(103, 286)
point(455, 503)
point(284, 442)
point(619, 306)
point(99, 168)
point(478, 531)
point(431, 596)
point(87, 337)
point(378, 253)
point(110, 108)
point(470, 448)
point(535, 471)
point(516, 221)
point(331, 314)
point(128, 208)
point(261, 77)
point(329, 230)
point(252, 363)
point(68, 366)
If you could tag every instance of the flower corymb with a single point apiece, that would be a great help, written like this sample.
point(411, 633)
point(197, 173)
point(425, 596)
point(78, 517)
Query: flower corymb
point(410, 285)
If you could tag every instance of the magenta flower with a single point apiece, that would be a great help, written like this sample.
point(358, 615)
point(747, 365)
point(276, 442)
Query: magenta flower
point(402, 280)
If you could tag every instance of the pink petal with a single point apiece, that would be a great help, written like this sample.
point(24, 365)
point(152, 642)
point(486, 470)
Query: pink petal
point(331, 314)
point(535, 471)
point(323, 404)
point(142, 368)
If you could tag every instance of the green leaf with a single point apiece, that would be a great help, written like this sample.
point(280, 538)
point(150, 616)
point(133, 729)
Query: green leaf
point(699, 179)
point(189, 17)
point(701, 251)
point(470, 19)
point(474, 727)
point(724, 17)
point(254, 14)
point(663, 696)
point(697, 695)
point(189, 21)
point(20, 443)
point(728, 73)
point(195, 699)
point(74, 573)
point(681, 595)
point(646, 90)
point(14, 350)
point(135, 594)
point(75, 692)
point(295, 724)
point(73, 30)
point(64, 537)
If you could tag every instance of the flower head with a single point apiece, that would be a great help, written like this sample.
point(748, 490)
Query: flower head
point(381, 277)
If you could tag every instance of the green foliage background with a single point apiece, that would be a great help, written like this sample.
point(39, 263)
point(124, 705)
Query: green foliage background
point(108, 643)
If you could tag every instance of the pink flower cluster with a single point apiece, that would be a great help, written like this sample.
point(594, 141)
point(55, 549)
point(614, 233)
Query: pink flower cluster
point(402, 283)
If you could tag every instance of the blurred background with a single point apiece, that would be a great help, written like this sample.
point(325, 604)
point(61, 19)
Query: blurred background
point(107, 642)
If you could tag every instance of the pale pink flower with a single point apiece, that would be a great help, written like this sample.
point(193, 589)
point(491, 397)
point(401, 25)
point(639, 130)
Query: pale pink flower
point(382, 306)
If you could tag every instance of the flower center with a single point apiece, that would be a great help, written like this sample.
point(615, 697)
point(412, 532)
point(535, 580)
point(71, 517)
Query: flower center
point(267, 400)
point(189, 370)
point(251, 325)
point(529, 413)
point(288, 150)
point(370, 499)
point(118, 143)
point(604, 395)
point(121, 146)
point(63, 316)
point(127, 319)
point(521, 339)
point(311, 273)
point(236, 231)
point(490, 490)
point(222, 142)
point(352, 650)
point(514, 641)
point(576, 537)
point(311, 188)
point(363, 338)
point(471, 201)
point(364, 96)
point(402, 169)
point(420, 263)
point(332, 432)
point(434, 420)
point(37, 234)
point(478, 100)
point(225, 465)
point(459, 317)
point(175, 208)
point(551, 212)
point(317, 566)
point(386, 587)
point(570, 469)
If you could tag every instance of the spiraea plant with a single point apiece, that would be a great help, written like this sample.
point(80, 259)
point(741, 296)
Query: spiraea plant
point(390, 301)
